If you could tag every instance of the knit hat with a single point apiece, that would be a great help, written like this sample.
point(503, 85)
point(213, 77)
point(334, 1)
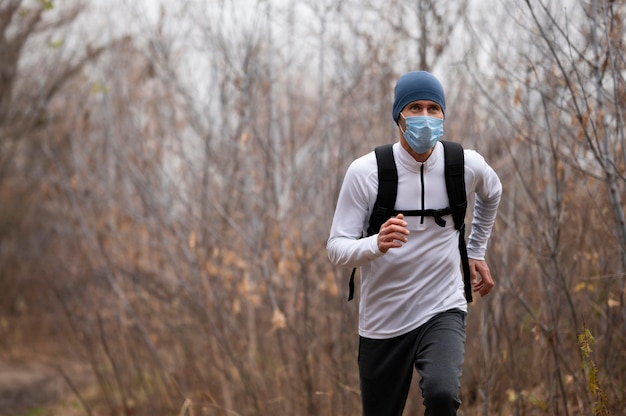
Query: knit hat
point(417, 85)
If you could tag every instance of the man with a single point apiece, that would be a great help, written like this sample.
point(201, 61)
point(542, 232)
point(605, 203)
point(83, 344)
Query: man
point(412, 306)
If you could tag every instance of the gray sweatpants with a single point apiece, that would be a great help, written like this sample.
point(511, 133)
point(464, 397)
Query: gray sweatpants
point(436, 349)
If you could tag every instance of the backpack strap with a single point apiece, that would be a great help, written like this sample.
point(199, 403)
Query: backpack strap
point(385, 199)
point(387, 188)
point(455, 184)
point(455, 181)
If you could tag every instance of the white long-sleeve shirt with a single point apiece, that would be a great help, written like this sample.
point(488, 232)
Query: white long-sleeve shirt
point(405, 287)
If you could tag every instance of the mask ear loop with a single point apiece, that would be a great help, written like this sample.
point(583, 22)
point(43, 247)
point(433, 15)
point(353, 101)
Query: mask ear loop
point(400, 127)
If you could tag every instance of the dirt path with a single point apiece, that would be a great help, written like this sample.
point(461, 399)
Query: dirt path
point(23, 386)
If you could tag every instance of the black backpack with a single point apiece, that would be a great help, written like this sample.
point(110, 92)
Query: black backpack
point(384, 208)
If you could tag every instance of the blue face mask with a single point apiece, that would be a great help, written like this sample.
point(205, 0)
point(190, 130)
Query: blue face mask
point(422, 132)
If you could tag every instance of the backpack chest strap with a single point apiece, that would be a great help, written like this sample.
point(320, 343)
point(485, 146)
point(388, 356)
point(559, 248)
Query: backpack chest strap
point(385, 213)
point(437, 214)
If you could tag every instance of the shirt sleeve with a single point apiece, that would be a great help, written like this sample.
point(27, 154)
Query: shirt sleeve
point(487, 190)
point(346, 245)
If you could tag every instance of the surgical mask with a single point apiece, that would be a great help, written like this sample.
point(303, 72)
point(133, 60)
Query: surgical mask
point(422, 132)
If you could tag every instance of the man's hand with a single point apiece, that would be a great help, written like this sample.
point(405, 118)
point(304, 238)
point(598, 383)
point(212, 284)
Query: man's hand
point(392, 233)
point(482, 282)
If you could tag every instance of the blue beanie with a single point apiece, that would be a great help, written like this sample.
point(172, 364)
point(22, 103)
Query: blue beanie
point(417, 85)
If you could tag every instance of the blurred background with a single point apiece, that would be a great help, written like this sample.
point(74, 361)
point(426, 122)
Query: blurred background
point(169, 171)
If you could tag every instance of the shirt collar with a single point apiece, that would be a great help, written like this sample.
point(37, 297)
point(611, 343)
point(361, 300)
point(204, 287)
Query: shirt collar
point(404, 158)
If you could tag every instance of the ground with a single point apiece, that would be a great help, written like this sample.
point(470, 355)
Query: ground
point(27, 385)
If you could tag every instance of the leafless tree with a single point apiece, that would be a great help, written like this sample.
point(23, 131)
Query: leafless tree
point(31, 37)
point(559, 100)
point(187, 171)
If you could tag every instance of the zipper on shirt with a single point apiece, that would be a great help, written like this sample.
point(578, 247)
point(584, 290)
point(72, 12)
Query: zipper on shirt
point(422, 180)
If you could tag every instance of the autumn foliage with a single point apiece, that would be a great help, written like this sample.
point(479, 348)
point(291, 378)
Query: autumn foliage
point(167, 186)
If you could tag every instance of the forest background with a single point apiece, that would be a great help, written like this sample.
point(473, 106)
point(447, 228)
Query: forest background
point(168, 174)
